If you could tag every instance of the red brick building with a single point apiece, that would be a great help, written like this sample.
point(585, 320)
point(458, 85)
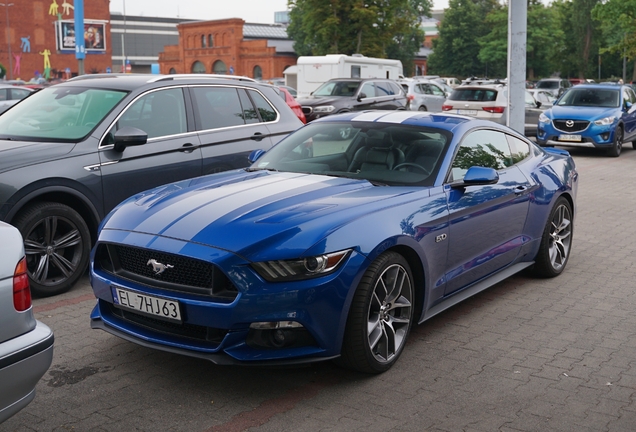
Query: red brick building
point(229, 46)
point(40, 33)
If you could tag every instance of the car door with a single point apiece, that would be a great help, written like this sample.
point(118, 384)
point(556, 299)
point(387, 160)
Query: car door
point(486, 222)
point(388, 96)
point(366, 98)
point(629, 114)
point(231, 123)
point(436, 97)
point(532, 113)
point(171, 154)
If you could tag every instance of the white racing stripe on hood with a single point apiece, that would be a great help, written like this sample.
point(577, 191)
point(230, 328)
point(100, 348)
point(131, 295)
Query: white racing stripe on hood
point(230, 198)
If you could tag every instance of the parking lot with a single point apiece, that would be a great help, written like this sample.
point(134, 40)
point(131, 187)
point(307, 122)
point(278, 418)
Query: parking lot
point(526, 355)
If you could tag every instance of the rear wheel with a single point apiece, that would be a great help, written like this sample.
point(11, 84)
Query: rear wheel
point(380, 316)
point(57, 245)
point(556, 241)
point(634, 144)
point(422, 108)
point(617, 146)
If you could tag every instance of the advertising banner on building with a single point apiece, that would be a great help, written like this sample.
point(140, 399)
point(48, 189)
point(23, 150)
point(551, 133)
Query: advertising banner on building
point(94, 36)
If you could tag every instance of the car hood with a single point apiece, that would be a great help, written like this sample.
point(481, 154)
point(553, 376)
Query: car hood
point(581, 113)
point(322, 100)
point(247, 212)
point(14, 154)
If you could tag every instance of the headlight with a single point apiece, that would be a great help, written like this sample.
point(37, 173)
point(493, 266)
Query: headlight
point(544, 118)
point(324, 109)
point(301, 268)
point(605, 121)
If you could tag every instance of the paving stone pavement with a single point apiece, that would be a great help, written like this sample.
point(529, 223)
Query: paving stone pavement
point(526, 355)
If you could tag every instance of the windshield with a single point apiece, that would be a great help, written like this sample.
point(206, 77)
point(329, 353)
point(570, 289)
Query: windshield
point(58, 113)
point(548, 84)
point(596, 97)
point(337, 88)
point(384, 154)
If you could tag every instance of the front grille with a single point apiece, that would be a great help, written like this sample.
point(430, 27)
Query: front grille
point(307, 110)
point(571, 125)
point(165, 270)
point(205, 334)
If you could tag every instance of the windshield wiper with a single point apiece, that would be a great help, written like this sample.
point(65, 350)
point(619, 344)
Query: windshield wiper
point(261, 169)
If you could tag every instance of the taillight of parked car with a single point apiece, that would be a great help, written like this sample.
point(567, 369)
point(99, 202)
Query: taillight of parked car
point(447, 107)
point(495, 109)
point(21, 290)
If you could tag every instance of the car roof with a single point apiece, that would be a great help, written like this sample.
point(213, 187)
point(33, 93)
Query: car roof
point(133, 81)
point(360, 79)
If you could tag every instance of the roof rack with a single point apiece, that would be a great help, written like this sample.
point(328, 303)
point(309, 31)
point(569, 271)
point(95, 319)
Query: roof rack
point(202, 76)
point(94, 76)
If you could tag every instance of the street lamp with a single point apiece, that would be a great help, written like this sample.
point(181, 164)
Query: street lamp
point(6, 7)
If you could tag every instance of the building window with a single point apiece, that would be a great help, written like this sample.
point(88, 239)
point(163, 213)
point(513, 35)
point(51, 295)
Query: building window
point(258, 72)
point(203, 40)
point(172, 71)
point(210, 41)
point(198, 67)
point(219, 67)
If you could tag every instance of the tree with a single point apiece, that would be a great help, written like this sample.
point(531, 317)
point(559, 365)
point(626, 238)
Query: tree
point(456, 50)
point(375, 28)
point(618, 23)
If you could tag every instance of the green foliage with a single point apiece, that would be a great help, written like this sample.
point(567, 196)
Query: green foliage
point(375, 28)
point(617, 21)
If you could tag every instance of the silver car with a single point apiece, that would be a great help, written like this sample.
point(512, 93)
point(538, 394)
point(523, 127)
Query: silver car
point(424, 95)
point(10, 95)
point(26, 345)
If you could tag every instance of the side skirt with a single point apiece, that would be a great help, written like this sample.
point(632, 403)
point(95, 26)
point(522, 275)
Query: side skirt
point(474, 289)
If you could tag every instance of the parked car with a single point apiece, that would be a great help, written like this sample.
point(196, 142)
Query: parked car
point(556, 86)
point(545, 97)
point(73, 151)
point(328, 248)
point(291, 102)
point(424, 95)
point(292, 91)
point(488, 101)
point(353, 94)
point(451, 82)
point(10, 95)
point(26, 345)
point(591, 115)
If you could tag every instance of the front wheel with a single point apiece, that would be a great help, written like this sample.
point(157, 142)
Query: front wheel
point(57, 245)
point(380, 316)
point(556, 241)
point(617, 146)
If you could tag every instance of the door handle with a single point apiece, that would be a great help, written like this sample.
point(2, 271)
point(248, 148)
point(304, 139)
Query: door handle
point(520, 189)
point(258, 136)
point(188, 148)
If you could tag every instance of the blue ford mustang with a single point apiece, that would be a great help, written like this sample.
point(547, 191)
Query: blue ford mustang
point(330, 247)
point(591, 115)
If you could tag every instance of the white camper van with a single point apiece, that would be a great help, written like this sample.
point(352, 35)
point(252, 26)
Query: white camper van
point(312, 71)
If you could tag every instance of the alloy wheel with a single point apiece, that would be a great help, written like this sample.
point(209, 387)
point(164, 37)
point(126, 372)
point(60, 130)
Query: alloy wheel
point(560, 236)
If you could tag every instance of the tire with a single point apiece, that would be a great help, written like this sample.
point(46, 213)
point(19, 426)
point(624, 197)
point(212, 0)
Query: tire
point(556, 241)
point(422, 108)
point(376, 350)
point(617, 146)
point(634, 144)
point(57, 244)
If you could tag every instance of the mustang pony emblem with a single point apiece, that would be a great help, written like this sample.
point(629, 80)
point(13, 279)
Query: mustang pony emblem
point(158, 267)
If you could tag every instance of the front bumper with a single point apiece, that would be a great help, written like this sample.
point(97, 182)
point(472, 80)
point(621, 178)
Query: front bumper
point(594, 136)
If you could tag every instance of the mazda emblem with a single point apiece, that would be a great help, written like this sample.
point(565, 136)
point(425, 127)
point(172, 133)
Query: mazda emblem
point(569, 123)
point(158, 267)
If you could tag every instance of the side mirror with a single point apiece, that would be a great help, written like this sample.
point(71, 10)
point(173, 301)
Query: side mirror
point(361, 96)
point(628, 105)
point(538, 104)
point(129, 136)
point(255, 155)
point(477, 176)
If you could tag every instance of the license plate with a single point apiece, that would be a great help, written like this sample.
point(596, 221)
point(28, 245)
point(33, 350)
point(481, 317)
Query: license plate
point(467, 112)
point(147, 304)
point(576, 138)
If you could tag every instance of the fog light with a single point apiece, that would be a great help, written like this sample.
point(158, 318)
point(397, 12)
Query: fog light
point(278, 334)
point(605, 136)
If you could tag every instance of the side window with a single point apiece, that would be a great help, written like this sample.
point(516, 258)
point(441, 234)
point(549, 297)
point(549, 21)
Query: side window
point(249, 112)
point(3, 94)
point(395, 88)
point(383, 88)
point(160, 113)
point(368, 89)
point(437, 91)
point(519, 149)
point(217, 107)
point(483, 148)
point(530, 101)
point(420, 89)
point(632, 96)
point(265, 110)
point(19, 93)
point(355, 71)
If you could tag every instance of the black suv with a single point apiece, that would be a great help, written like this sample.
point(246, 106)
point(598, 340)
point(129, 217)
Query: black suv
point(71, 152)
point(353, 94)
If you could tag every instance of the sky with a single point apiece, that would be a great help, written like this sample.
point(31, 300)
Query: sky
point(253, 11)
